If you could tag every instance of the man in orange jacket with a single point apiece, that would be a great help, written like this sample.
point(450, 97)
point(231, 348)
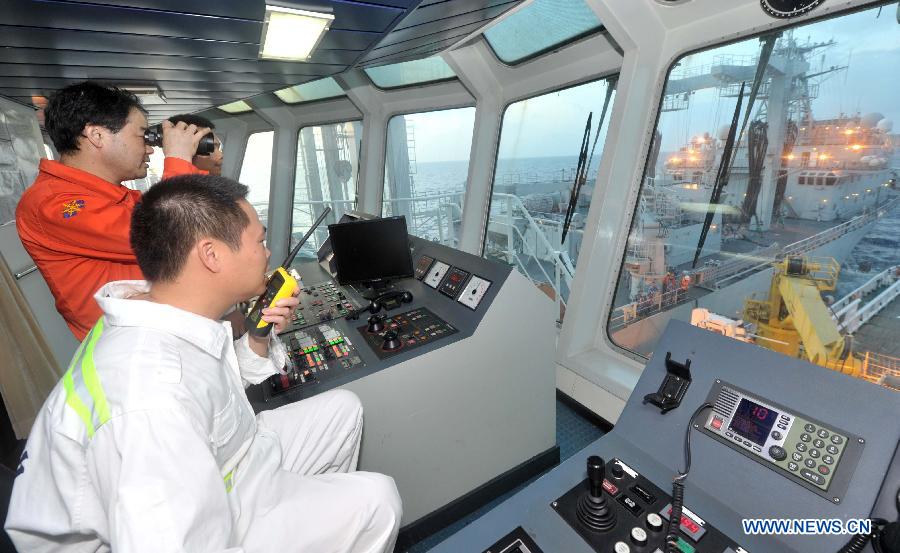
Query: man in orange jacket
point(75, 219)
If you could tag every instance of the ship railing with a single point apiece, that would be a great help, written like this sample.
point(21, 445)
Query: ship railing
point(647, 305)
point(883, 279)
point(812, 242)
point(532, 259)
point(714, 278)
point(853, 316)
point(430, 216)
point(512, 178)
point(878, 366)
point(306, 211)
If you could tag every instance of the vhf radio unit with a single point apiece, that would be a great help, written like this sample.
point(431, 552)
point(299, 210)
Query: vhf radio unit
point(281, 285)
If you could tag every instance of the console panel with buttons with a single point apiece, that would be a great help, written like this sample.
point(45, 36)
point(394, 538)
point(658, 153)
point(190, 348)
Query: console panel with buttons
point(616, 509)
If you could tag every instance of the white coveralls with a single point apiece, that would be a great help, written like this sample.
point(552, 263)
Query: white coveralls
point(148, 444)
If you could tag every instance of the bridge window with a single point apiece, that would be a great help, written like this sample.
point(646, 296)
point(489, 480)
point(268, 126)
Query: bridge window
point(712, 256)
point(426, 169)
point(539, 27)
point(235, 108)
point(320, 89)
point(256, 171)
point(536, 169)
point(410, 73)
point(327, 168)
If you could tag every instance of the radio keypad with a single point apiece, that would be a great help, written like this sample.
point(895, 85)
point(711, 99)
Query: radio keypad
point(806, 442)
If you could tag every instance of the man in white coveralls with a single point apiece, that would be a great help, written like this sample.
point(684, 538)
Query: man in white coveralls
point(148, 444)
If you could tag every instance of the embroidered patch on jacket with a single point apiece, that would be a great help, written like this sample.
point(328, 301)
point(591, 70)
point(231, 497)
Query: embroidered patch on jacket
point(71, 209)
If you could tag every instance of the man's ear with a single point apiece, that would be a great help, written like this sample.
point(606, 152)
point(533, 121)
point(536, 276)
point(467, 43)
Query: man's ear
point(95, 135)
point(209, 253)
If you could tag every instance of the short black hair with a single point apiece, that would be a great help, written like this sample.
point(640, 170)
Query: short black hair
point(177, 212)
point(72, 108)
point(192, 119)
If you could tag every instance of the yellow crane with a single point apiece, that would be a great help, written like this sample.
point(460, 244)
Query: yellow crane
point(795, 320)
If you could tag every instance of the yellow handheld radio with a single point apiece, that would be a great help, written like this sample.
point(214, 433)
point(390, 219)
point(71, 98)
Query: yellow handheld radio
point(281, 285)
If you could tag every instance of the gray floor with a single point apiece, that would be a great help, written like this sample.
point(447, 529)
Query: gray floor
point(573, 433)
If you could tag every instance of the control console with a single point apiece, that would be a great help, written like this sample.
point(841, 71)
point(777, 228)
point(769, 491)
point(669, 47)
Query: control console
point(322, 303)
point(388, 336)
point(760, 436)
point(615, 509)
point(316, 354)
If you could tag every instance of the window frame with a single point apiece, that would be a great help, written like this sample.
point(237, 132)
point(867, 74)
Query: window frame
point(343, 94)
point(358, 157)
point(601, 30)
point(386, 135)
point(240, 168)
point(490, 198)
point(661, 94)
point(455, 77)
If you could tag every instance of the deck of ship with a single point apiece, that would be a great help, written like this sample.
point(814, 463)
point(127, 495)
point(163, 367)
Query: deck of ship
point(881, 333)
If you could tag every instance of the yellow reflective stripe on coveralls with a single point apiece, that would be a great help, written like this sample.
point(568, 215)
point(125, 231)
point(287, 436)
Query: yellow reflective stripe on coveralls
point(76, 382)
point(229, 481)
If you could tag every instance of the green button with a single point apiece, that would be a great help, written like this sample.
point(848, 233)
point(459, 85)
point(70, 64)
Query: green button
point(684, 546)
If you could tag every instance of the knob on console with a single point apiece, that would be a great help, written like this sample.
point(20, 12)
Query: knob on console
point(391, 341)
point(617, 471)
point(376, 324)
point(593, 510)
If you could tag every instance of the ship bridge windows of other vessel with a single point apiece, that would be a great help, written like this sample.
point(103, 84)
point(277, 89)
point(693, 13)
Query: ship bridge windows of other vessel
point(780, 185)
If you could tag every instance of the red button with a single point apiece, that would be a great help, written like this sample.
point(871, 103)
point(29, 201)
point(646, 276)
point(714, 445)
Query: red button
point(717, 423)
point(823, 469)
point(610, 488)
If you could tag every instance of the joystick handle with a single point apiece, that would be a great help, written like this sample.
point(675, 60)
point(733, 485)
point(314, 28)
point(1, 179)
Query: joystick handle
point(596, 470)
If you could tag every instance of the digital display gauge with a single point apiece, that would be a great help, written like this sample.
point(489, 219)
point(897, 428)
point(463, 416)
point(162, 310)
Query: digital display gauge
point(753, 421)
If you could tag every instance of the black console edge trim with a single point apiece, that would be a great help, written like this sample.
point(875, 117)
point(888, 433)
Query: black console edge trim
point(436, 521)
point(586, 413)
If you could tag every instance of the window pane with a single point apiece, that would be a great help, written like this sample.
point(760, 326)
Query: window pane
point(236, 107)
point(538, 158)
point(540, 26)
point(410, 72)
point(426, 168)
point(807, 210)
point(256, 172)
point(315, 90)
point(327, 165)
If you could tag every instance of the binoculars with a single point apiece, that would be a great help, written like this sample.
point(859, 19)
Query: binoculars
point(153, 137)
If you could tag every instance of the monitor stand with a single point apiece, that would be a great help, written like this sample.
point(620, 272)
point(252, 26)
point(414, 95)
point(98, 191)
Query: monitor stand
point(372, 289)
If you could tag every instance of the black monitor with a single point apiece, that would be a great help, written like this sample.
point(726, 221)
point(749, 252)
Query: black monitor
point(371, 252)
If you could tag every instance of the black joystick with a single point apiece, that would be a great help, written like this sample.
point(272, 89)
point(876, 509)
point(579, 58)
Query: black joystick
point(391, 341)
point(376, 324)
point(593, 510)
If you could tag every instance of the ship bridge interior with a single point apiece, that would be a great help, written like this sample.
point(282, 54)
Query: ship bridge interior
point(601, 198)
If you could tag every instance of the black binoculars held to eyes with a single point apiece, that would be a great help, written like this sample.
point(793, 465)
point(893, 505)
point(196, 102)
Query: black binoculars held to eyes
point(153, 137)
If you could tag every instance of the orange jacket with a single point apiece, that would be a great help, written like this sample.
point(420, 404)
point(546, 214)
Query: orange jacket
point(75, 226)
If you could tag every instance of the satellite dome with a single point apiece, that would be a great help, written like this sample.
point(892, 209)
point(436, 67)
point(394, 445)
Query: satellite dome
point(885, 125)
point(869, 120)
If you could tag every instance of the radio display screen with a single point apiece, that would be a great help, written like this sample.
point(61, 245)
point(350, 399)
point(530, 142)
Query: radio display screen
point(753, 421)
